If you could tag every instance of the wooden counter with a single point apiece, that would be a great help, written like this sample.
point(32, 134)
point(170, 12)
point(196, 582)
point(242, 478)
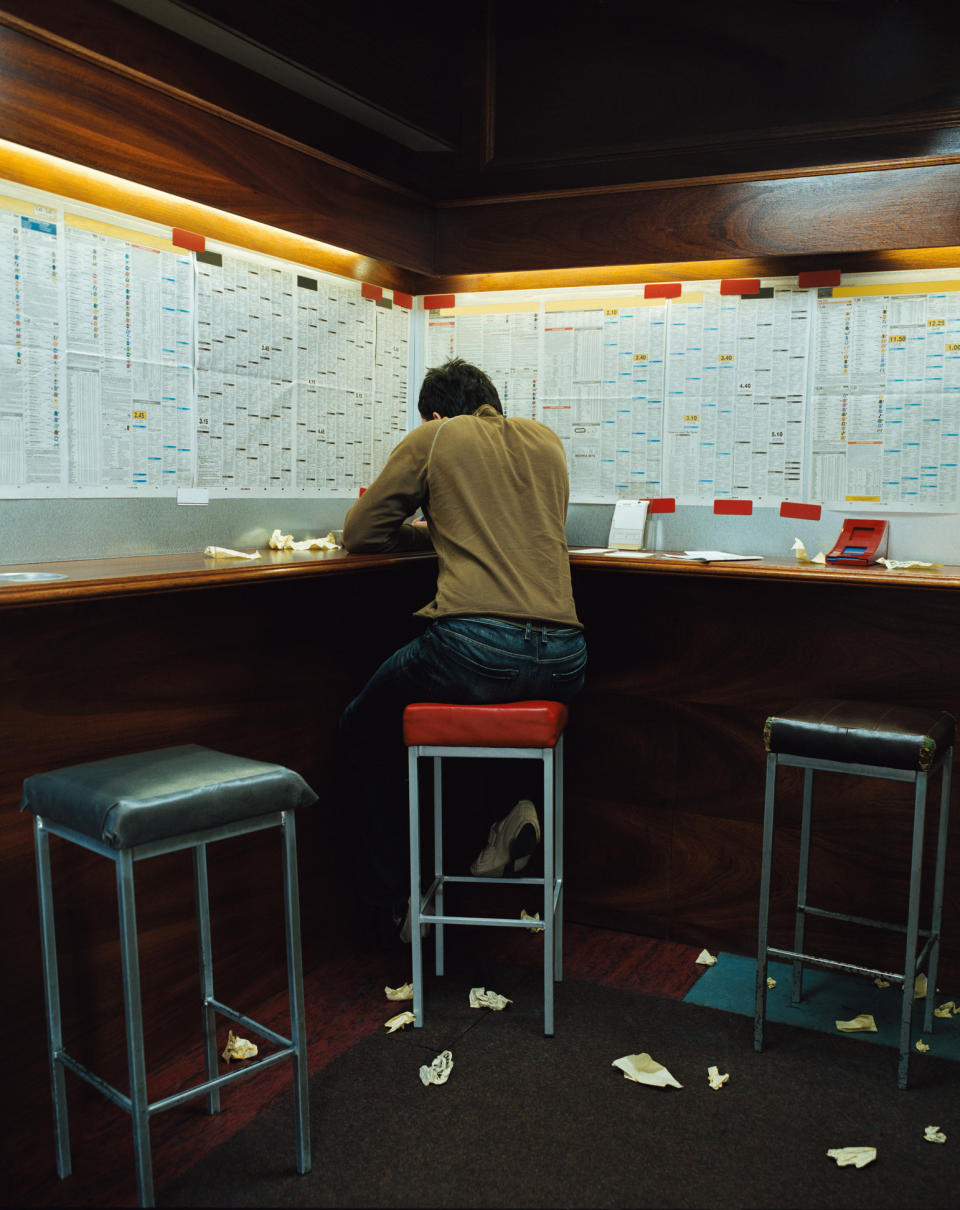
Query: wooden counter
point(664, 756)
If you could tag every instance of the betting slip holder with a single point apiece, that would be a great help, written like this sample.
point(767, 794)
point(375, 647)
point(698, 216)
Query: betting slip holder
point(626, 528)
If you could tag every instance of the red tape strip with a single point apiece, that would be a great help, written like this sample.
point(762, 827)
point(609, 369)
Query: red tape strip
point(733, 508)
point(403, 300)
point(802, 512)
point(819, 277)
point(188, 239)
point(434, 302)
point(662, 290)
point(663, 504)
point(740, 285)
point(368, 291)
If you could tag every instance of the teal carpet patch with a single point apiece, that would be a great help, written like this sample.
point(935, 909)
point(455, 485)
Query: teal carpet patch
point(828, 997)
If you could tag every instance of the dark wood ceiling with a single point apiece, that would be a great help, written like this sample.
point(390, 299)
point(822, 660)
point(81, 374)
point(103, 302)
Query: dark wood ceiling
point(455, 100)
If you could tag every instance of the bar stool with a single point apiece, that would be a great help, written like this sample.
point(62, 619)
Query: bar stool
point(870, 740)
point(141, 805)
point(531, 730)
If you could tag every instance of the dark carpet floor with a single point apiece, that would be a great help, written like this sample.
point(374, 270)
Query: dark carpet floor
point(529, 1121)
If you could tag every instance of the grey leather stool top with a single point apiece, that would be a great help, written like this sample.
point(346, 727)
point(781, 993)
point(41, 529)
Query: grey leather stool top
point(130, 800)
point(862, 733)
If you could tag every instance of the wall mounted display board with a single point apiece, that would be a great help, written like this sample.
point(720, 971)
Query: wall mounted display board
point(845, 395)
point(138, 361)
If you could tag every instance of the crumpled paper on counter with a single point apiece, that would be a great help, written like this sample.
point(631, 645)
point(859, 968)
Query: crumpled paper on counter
point(437, 1072)
point(224, 552)
point(238, 1048)
point(644, 1070)
point(933, 1134)
point(400, 1021)
point(481, 998)
point(803, 557)
point(403, 992)
point(900, 564)
point(858, 1156)
point(863, 1024)
point(279, 541)
point(715, 1078)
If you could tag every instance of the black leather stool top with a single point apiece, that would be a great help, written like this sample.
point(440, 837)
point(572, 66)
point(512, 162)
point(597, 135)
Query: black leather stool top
point(129, 800)
point(862, 733)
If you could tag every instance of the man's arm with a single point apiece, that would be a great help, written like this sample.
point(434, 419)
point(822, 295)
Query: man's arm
point(375, 523)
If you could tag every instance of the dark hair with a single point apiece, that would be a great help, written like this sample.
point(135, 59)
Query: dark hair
point(456, 389)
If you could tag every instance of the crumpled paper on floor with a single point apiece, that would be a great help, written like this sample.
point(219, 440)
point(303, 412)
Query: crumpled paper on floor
point(864, 1024)
point(922, 1047)
point(481, 998)
point(771, 982)
point(947, 1009)
point(715, 1078)
point(920, 987)
point(644, 1070)
point(803, 557)
point(897, 564)
point(238, 1048)
point(858, 1156)
point(400, 1021)
point(705, 958)
point(224, 552)
point(933, 1134)
point(881, 982)
point(525, 915)
point(279, 541)
point(403, 992)
point(437, 1072)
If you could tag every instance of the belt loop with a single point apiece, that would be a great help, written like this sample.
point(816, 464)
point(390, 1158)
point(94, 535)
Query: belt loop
point(544, 631)
point(528, 631)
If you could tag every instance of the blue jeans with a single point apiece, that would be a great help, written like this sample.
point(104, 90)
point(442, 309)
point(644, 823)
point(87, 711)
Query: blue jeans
point(470, 660)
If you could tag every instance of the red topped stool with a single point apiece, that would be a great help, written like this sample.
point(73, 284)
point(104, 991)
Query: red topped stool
point(531, 730)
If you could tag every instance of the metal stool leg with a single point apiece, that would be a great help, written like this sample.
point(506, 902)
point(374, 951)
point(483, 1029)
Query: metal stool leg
point(139, 1112)
point(438, 861)
point(800, 920)
point(51, 988)
point(298, 1031)
point(416, 949)
point(938, 881)
point(208, 1012)
point(913, 927)
point(549, 855)
point(558, 861)
point(760, 1000)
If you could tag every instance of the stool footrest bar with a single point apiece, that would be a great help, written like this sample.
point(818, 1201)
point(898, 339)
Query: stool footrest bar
point(248, 1022)
point(493, 920)
point(832, 964)
point(91, 1077)
point(228, 1077)
point(877, 924)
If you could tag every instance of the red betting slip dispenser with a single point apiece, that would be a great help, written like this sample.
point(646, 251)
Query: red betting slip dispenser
point(860, 543)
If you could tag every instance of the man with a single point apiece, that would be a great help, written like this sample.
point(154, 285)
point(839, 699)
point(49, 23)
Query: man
point(502, 627)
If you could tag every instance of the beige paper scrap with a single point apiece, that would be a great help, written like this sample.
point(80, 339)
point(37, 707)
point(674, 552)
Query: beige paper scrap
point(525, 915)
point(882, 982)
point(947, 1009)
point(224, 552)
point(705, 958)
point(858, 1156)
point(803, 557)
point(644, 1070)
point(238, 1048)
point(481, 998)
point(920, 987)
point(898, 564)
point(922, 1047)
point(864, 1023)
point(716, 1079)
point(403, 992)
point(437, 1072)
point(279, 541)
point(933, 1134)
point(771, 982)
point(400, 1021)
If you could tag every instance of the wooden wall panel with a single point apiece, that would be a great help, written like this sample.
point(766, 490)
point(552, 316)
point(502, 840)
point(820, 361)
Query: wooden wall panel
point(794, 216)
point(66, 106)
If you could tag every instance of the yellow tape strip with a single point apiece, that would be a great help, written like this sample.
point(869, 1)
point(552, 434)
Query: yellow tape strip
point(134, 237)
point(917, 287)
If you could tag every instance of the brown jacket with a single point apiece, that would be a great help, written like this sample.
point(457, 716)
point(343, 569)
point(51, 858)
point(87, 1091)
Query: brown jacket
point(494, 492)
